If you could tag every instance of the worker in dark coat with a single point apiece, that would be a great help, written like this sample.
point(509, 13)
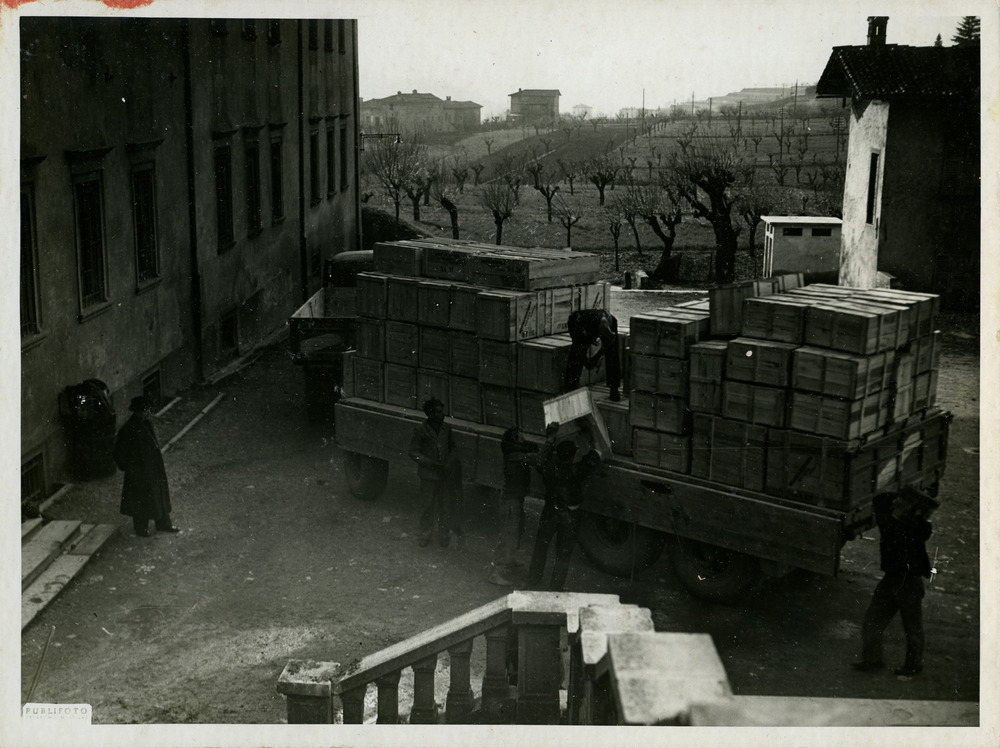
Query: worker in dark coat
point(518, 457)
point(904, 528)
point(563, 478)
point(145, 494)
point(586, 327)
point(440, 473)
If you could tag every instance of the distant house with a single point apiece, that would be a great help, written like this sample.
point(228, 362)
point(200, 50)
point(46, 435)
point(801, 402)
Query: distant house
point(911, 191)
point(535, 106)
point(802, 244)
point(582, 110)
point(422, 112)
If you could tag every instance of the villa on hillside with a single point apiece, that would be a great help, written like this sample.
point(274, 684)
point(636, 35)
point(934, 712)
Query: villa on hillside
point(535, 106)
point(423, 112)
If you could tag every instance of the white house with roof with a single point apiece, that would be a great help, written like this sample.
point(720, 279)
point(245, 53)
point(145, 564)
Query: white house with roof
point(802, 244)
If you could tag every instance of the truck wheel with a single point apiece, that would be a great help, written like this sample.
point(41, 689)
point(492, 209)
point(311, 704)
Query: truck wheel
point(618, 547)
point(366, 476)
point(718, 575)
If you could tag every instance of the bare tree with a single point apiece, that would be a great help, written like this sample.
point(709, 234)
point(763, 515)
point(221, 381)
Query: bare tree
point(601, 172)
point(510, 170)
point(461, 174)
point(499, 199)
point(477, 169)
point(627, 210)
point(445, 199)
point(570, 170)
point(613, 220)
point(489, 145)
point(755, 202)
point(395, 165)
point(569, 216)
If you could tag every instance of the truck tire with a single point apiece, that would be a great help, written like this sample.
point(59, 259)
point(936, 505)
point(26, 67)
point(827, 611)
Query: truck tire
point(711, 573)
point(366, 476)
point(618, 547)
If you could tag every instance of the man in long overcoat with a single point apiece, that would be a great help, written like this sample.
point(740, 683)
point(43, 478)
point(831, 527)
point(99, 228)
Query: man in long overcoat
point(145, 494)
point(440, 473)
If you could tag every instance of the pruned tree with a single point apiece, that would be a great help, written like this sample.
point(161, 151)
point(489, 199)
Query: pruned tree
point(510, 170)
point(461, 174)
point(477, 169)
point(570, 170)
point(627, 210)
point(569, 216)
point(395, 166)
point(446, 201)
point(601, 172)
point(613, 220)
point(489, 145)
point(498, 198)
point(548, 191)
point(414, 188)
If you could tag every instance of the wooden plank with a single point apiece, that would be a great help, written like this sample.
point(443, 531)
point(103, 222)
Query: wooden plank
point(43, 546)
point(48, 584)
point(93, 539)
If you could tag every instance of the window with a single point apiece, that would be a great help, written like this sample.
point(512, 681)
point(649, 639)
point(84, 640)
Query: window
point(331, 163)
point(822, 232)
point(29, 270)
point(314, 166)
point(314, 34)
point(788, 231)
point(328, 35)
point(224, 197)
point(147, 266)
point(253, 189)
point(342, 37)
point(33, 488)
point(343, 158)
point(250, 30)
point(872, 188)
point(88, 202)
point(277, 197)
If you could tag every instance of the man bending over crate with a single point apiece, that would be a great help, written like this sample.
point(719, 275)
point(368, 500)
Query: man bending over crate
point(586, 327)
point(440, 473)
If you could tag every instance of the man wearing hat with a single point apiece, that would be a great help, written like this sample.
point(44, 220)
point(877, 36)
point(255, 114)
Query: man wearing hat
point(145, 495)
point(904, 528)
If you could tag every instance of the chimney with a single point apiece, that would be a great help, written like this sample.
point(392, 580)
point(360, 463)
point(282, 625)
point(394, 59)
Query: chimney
point(876, 30)
point(414, 90)
point(447, 98)
point(399, 93)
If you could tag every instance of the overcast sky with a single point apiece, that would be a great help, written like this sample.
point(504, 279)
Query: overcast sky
point(603, 53)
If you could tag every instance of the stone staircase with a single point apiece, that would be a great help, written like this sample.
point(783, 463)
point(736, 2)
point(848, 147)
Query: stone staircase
point(52, 554)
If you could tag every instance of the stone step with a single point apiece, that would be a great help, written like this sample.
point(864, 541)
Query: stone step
point(43, 546)
point(28, 528)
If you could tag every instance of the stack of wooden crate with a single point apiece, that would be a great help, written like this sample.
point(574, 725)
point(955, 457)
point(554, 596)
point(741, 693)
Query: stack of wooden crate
point(480, 327)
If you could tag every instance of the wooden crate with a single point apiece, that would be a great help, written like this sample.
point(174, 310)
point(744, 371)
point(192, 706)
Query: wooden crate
point(541, 363)
point(780, 317)
point(402, 343)
point(841, 419)
point(708, 361)
point(840, 374)
point(725, 303)
point(434, 303)
point(433, 384)
point(659, 412)
point(759, 361)
point(401, 298)
point(616, 421)
point(530, 412)
point(348, 363)
point(464, 354)
point(727, 451)
point(556, 304)
point(369, 379)
point(398, 258)
point(755, 403)
point(787, 282)
point(701, 305)
point(530, 270)
point(448, 262)
point(499, 405)
point(660, 450)
point(924, 306)
point(927, 352)
point(667, 332)
point(371, 295)
point(498, 363)
point(851, 326)
point(401, 385)
point(705, 397)
point(371, 338)
point(506, 315)
point(925, 390)
point(434, 349)
point(463, 307)
point(466, 399)
point(660, 375)
point(901, 402)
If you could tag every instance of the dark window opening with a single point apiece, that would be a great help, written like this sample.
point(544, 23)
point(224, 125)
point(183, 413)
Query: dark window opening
point(822, 232)
point(29, 273)
point(342, 37)
point(343, 158)
point(224, 197)
point(314, 34)
point(328, 35)
point(144, 220)
point(314, 166)
point(331, 165)
point(274, 32)
point(229, 332)
point(872, 186)
point(33, 485)
point(253, 189)
point(277, 196)
point(250, 30)
point(791, 231)
point(151, 389)
point(90, 241)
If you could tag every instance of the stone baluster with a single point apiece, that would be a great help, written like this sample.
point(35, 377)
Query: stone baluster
point(459, 702)
point(539, 662)
point(388, 699)
point(495, 686)
point(354, 705)
point(424, 709)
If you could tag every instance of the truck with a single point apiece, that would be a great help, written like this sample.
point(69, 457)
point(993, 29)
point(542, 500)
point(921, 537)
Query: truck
point(724, 525)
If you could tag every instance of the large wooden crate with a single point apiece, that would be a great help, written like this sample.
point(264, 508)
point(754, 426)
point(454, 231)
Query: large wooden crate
point(927, 352)
point(530, 270)
point(705, 397)
point(464, 354)
point(660, 450)
point(369, 379)
point(755, 403)
point(433, 384)
point(398, 258)
point(759, 361)
point(849, 325)
point(659, 412)
point(401, 298)
point(402, 343)
point(725, 303)
point(435, 349)
point(555, 305)
point(466, 399)
point(841, 374)
point(727, 451)
point(616, 420)
point(780, 317)
point(506, 315)
point(401, 385)
point(660, 375)
point(499, 405)
point(842, 419)
point(498, 363)
point(667, 332)
point(530, 411)
point(708, 360)
point(370, 339)
point(924, 306)
point(463, 307)
point(371, 295)
point(541, 363)
point(925, 390)
point(434, 303)
point(448, 262)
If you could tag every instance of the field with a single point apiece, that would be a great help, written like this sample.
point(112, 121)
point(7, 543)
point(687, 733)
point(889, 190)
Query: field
point(804, 173)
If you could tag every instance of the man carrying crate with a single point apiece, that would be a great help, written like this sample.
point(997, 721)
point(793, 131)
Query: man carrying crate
point(586, 327)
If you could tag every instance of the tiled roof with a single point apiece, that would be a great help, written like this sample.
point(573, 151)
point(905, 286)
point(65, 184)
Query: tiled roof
point(407, 98)
point(546, 91)
point(891, 71)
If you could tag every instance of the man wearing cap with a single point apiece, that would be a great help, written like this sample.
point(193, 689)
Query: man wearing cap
point(440, 473)
point(145, 494)
point(904, 528)
point(586, 327)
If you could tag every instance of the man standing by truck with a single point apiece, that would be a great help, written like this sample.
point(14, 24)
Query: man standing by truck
point(586, 327)
point(518, 457)
point(440, 473)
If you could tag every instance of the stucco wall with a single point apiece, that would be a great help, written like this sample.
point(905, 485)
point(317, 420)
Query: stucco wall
point(859, 241)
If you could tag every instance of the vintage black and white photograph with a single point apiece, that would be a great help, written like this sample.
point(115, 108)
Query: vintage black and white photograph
point(455, 373)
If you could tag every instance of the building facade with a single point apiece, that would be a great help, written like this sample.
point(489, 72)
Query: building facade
point(802, 244)
point(535, 106)
point(182, 182)
point(911, 190)
point(419, 112)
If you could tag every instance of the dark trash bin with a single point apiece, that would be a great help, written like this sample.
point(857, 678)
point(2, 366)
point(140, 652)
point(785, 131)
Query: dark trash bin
point(91, 425)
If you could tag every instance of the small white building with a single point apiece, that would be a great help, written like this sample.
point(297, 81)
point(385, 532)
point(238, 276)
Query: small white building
point(802, 244)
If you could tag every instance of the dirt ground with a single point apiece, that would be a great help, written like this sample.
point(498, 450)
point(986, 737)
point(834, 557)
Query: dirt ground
point(277, 561)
